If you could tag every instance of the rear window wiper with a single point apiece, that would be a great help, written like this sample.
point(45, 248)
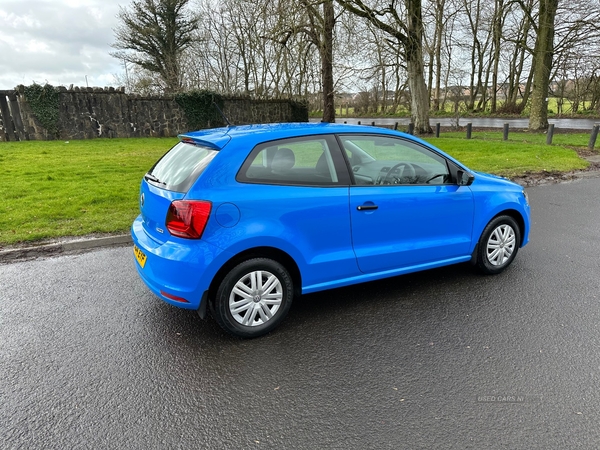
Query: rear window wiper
point(150, 177)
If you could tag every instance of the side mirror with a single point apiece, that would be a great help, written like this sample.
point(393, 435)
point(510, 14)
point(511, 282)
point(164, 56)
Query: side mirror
point(464, 178)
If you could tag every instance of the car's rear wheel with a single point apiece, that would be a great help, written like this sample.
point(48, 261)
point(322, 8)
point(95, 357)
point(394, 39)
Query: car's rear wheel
point(498, 245)
point(253, 298)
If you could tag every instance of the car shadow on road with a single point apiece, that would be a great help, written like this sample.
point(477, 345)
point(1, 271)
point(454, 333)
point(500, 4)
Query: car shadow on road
point(400, 297)
point(424, 289)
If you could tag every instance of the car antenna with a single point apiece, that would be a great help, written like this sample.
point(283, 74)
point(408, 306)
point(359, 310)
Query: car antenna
point(222, 115)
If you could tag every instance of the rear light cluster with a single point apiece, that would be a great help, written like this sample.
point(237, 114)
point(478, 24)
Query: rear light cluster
point(187, 218)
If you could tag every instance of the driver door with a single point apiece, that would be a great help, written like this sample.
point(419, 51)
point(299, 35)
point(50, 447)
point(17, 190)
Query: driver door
point(406, 209)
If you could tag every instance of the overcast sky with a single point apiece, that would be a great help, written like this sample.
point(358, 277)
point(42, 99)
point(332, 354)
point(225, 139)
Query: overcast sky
point(59, 42)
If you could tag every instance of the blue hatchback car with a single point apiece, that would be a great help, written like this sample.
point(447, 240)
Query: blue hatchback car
point(242, 220)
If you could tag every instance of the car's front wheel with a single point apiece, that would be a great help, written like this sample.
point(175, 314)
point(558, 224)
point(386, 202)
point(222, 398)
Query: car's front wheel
point(498, 245)
point(253, 298)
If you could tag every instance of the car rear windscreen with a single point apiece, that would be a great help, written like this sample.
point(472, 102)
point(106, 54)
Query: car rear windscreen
point(180, 167)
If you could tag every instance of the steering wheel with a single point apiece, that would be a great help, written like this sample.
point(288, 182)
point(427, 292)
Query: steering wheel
point(410, 173)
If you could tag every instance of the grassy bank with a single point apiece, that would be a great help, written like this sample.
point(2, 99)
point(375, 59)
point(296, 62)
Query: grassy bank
point(54, 189)
point(522, 153)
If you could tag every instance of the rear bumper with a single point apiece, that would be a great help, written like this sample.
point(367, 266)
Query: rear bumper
point(178, 271)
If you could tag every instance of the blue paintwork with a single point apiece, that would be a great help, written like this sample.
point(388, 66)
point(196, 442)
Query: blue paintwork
point(412, 225)
point(332, 243)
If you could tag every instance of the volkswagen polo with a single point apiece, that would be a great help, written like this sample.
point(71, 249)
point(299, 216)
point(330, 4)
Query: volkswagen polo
point(242, 220)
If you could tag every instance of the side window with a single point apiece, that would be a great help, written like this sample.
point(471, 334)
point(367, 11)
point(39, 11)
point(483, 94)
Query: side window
point(385, 160)
point(310, 161)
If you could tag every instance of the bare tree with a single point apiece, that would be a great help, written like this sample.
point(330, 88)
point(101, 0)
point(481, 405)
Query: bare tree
point(403, 21)
point(258, 48)
point(519, 38)
point(319, 29)
point(152, 34)
point(576, 47)
point(476, 39)
point(480, 55)
point(440, 16)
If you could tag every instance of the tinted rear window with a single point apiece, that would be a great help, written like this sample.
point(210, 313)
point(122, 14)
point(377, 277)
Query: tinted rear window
point(180, 167)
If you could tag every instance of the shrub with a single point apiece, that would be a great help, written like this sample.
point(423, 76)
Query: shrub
point(44, 102)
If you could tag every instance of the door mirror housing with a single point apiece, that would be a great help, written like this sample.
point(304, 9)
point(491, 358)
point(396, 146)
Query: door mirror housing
point(464, 178)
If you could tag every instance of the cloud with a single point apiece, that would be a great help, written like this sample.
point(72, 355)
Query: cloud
point(59, 42)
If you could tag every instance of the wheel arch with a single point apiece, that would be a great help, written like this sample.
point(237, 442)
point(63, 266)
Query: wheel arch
point(273, 253)
point(516, 215)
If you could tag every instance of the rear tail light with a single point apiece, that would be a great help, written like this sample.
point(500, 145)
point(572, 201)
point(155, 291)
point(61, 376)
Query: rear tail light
point(187, 218)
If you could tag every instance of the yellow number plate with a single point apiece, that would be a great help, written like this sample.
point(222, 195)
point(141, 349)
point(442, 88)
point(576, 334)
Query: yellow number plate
point(139, 256)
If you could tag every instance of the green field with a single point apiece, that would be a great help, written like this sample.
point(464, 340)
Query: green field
point(55, 189)
point(522, 153)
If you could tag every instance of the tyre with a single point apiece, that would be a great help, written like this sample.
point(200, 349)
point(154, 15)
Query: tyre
point(253, 298)
point(498, 245)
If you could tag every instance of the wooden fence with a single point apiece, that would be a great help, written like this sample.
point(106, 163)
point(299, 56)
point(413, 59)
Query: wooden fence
point(11, 124)
point(505, 131)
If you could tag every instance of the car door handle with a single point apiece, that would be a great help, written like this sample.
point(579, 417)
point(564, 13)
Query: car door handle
point(366, 207)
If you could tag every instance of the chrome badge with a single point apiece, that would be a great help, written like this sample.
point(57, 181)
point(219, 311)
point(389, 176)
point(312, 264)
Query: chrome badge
point(142, 200)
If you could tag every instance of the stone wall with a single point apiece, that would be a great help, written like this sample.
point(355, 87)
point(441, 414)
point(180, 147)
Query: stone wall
point(90, 113)
point(242, 111)
point(86, 113)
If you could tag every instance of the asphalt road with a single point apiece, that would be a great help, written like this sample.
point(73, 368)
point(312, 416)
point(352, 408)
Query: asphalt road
point(89, 359)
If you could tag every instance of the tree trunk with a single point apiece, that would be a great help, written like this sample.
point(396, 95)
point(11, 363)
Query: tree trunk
point(327, 62)
point(439, 31)
point(542, 64)
point(419, 110)
point(518, 62)
point(476, 53)
point(496, 38)
point(419, 95)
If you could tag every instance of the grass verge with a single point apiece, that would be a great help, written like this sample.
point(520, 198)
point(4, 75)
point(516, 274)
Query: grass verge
point(55, 189)
point(523, 153)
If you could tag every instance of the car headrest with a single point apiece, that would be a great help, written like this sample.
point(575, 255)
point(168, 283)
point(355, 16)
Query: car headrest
point(283, 160)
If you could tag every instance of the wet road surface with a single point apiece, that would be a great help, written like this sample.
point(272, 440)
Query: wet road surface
point(89, 359)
